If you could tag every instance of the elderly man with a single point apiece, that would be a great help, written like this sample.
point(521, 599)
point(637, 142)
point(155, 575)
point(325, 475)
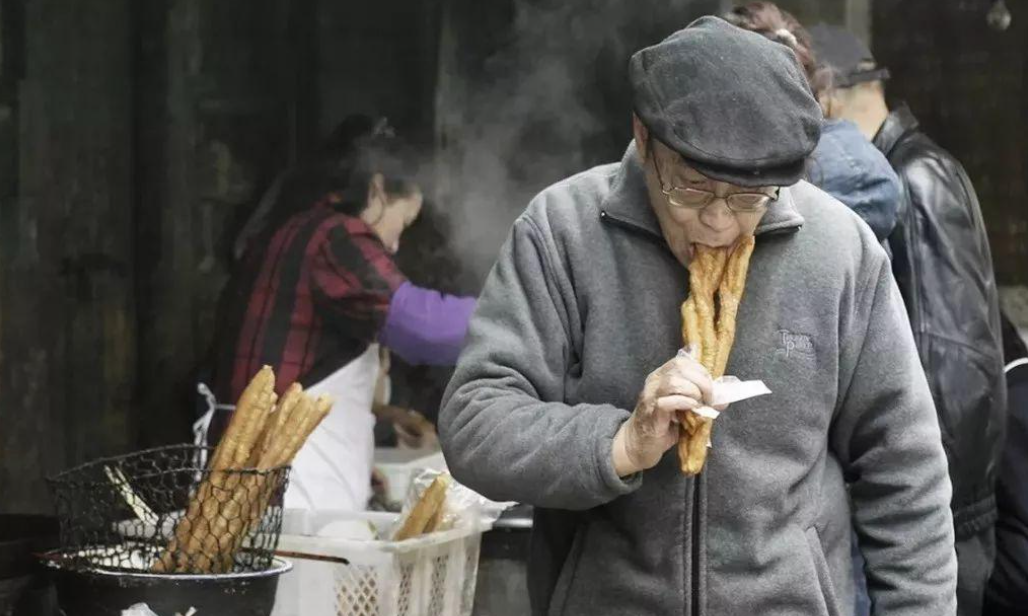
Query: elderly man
point(571, 389)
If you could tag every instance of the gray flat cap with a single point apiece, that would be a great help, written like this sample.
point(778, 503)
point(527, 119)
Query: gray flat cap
point(734, 104)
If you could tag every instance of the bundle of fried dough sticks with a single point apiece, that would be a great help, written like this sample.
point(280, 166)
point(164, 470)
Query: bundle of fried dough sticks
point(264, 434)
point(717, 278)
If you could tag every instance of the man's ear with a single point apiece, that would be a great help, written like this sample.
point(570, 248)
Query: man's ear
point(642, 137)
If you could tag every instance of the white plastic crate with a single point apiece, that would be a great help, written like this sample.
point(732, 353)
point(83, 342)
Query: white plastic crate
point(349, 575)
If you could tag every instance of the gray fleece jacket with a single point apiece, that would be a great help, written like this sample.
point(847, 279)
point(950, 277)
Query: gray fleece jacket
point(584, 303)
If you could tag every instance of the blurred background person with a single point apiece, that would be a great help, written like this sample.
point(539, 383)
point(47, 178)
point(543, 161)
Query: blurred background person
point(943, 266)
point(317, 291)
point(845, 164)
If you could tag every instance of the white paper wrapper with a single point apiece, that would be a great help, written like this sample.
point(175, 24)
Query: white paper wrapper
point(729, 390)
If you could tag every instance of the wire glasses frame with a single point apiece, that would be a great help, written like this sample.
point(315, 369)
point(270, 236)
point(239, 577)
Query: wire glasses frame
point(696, 199)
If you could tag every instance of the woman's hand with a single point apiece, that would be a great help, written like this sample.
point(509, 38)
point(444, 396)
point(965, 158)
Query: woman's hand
point(681, 384)
point(413, 430)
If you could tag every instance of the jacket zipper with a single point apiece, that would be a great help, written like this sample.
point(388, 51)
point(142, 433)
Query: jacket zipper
point(695, 545)
point(629, 226)
point(694, 515)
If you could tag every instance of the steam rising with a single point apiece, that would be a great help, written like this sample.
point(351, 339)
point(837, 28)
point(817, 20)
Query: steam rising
point(551, 100)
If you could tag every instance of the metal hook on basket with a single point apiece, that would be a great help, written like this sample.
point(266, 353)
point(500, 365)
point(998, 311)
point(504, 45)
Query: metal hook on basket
point(203, 425)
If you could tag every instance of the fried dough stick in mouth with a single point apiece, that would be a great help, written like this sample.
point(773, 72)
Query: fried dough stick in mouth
point(717, 279)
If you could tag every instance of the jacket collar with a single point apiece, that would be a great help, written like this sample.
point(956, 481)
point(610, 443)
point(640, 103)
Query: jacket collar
point(628, 203)
point(898, 123)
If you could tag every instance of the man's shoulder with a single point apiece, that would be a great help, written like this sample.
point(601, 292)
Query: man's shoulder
point(917, 154)
point(573, 198)
point(824, 213)
point(832, 235)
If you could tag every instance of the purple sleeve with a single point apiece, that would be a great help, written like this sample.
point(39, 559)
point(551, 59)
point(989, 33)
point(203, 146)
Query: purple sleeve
point(425, 326)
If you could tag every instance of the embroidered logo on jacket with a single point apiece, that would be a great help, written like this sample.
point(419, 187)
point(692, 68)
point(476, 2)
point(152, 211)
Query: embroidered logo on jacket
point(791, 343)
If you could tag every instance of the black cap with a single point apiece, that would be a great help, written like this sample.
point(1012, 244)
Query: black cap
point(846, 56)
point(734, 104)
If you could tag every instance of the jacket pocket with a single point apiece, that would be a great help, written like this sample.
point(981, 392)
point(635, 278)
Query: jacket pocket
point(562, 591)
point(824, 578)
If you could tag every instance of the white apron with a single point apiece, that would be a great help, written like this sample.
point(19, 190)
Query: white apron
point(333, 469)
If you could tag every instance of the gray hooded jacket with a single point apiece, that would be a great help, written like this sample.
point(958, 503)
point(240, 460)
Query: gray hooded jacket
point(584, 303)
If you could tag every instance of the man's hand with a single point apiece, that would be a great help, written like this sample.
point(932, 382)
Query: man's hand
point(681, 384)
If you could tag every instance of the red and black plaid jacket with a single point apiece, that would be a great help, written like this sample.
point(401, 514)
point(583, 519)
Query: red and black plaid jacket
point(306, 302)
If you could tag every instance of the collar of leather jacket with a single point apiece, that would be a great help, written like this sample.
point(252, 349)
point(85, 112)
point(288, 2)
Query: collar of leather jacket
point(899, 122)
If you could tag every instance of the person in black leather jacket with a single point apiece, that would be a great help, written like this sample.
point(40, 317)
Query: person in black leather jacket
point(1007, 593)
point(943, 266)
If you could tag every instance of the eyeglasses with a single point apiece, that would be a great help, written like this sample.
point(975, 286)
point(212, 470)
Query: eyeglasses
point(697, 199)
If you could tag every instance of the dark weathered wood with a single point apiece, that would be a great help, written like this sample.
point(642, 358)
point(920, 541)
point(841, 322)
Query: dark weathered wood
point(968, 86)
point(219, 118)
point(169, 58)
point(68, 332)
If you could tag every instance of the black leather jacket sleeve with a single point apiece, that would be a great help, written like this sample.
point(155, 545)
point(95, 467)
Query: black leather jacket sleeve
point(943, 266)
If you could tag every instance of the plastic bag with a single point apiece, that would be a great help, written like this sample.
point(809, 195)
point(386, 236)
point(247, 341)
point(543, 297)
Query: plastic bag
point(462, 506)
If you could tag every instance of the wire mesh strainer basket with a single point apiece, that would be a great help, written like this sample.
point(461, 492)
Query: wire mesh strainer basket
point(161, 510)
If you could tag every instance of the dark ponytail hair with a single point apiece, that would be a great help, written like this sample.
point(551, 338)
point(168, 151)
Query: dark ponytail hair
point(341, 170)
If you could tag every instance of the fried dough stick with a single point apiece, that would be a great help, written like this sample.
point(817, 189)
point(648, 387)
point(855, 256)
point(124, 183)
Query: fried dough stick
point(711, 332)
point(255, 401)
point(730, 296)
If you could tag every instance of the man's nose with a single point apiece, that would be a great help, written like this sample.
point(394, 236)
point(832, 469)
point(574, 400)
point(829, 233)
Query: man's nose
point(717, 216)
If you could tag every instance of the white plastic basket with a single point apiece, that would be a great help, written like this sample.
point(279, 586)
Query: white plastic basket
point(347, 575)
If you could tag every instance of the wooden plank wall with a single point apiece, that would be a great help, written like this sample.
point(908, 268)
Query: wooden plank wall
point(68, 329)
point(220, 113)
point(134, 136)
point(968, 86)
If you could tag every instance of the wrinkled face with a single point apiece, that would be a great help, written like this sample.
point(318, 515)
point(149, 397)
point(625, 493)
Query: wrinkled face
point(697, 210)
point(390, 215)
